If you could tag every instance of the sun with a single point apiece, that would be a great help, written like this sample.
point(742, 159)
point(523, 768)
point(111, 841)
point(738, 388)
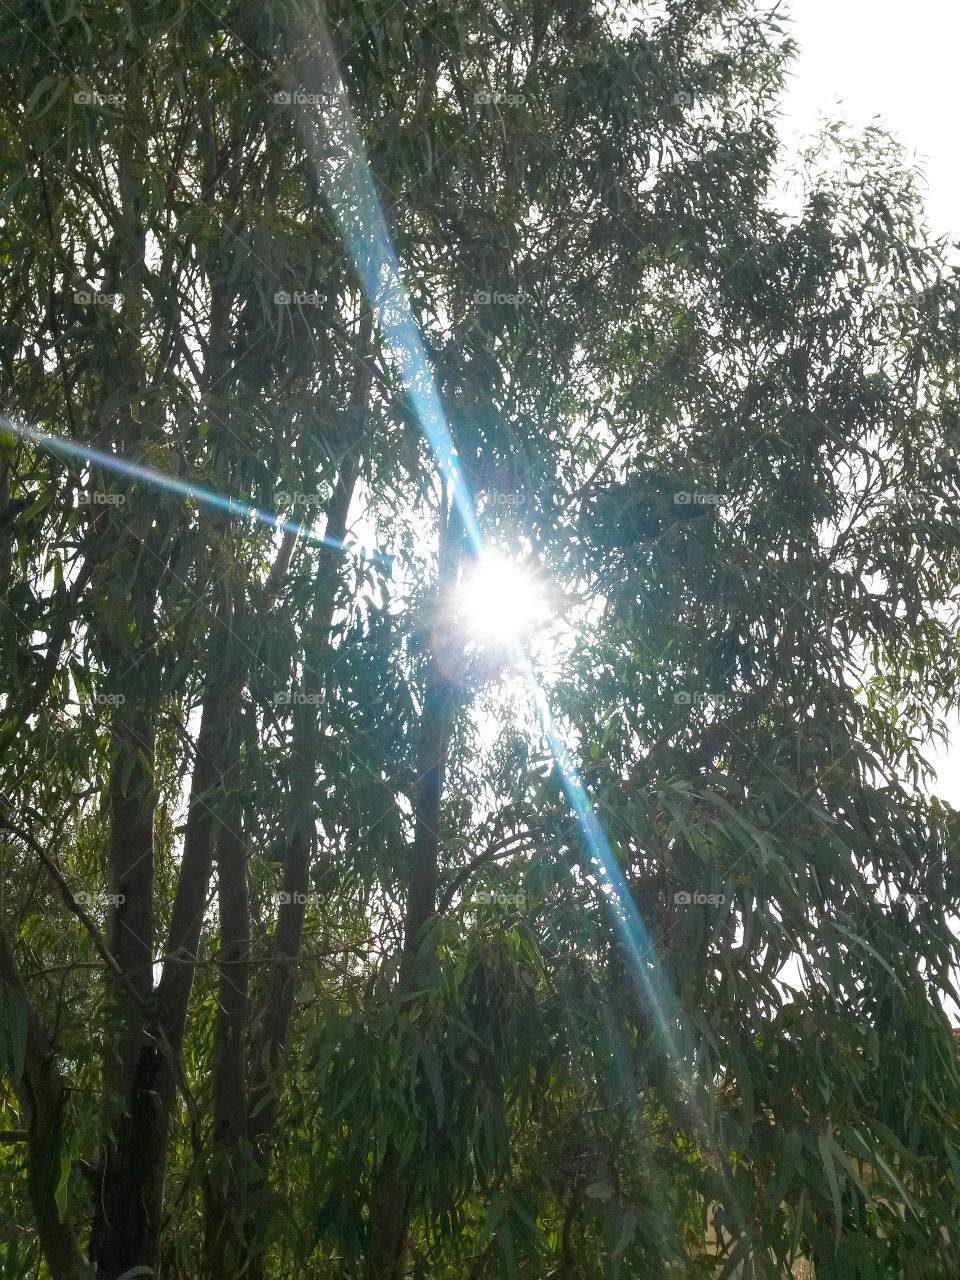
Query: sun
point(499, 601)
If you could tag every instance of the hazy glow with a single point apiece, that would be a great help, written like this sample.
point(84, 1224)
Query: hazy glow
point(500, 601)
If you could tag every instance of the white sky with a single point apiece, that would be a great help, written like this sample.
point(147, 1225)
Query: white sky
point(861, 59)
point(864, 59)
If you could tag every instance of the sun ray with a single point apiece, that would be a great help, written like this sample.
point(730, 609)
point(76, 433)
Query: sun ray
point(136, 471)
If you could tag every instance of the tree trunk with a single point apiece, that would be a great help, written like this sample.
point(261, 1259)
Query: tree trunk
point(392, 1190)
point(131, 799)
point(130, 1188)
point(129, 1209)
point(435, 725)
point(272, 1048)
point(226, 1187)
point(300, 833)
point(128, 1200)
point(129, 1193)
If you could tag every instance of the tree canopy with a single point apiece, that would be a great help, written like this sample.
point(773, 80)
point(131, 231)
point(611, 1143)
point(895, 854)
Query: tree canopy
point(337, 938)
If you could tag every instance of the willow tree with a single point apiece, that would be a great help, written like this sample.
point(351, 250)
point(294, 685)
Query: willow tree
point(258, 1006)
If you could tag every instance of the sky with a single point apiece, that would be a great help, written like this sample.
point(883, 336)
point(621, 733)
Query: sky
point(860, 60)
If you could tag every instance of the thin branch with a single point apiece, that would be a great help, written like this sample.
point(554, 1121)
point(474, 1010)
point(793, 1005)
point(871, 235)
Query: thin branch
point(504, 848)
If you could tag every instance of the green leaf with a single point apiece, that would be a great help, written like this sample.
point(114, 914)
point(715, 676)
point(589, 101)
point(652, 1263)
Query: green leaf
point(54, 85)
point(63, 1182)
point(506, 1246)
point(627, 1230)
point(15, 1016)
point(786, 1166)
point(432, 1067)
point(826, 1156)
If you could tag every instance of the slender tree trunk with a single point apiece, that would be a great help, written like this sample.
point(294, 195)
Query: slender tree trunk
point(225, 1191)
point(435, 725)
point(128, 1191)
point(129, 1209)
point(393, 1188)
point(129, 1187)
point(6, 541)
point(131, 861)
point(224, 690)
point(392, 1197)
point(129, 1205)
point(392, 1191)
point(443, 676)
point(300, 833)
point(271, 1056)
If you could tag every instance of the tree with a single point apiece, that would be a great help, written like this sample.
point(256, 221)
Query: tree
point(258, 1004)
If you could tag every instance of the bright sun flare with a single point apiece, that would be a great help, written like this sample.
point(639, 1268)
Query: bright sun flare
point(499, 601)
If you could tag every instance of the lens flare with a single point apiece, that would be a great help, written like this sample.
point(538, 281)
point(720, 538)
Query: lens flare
point(499, 601)
point(353, 202)
point(135, 471)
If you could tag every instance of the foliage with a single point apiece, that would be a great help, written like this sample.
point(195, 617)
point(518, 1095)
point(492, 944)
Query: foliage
point(272, 1004)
